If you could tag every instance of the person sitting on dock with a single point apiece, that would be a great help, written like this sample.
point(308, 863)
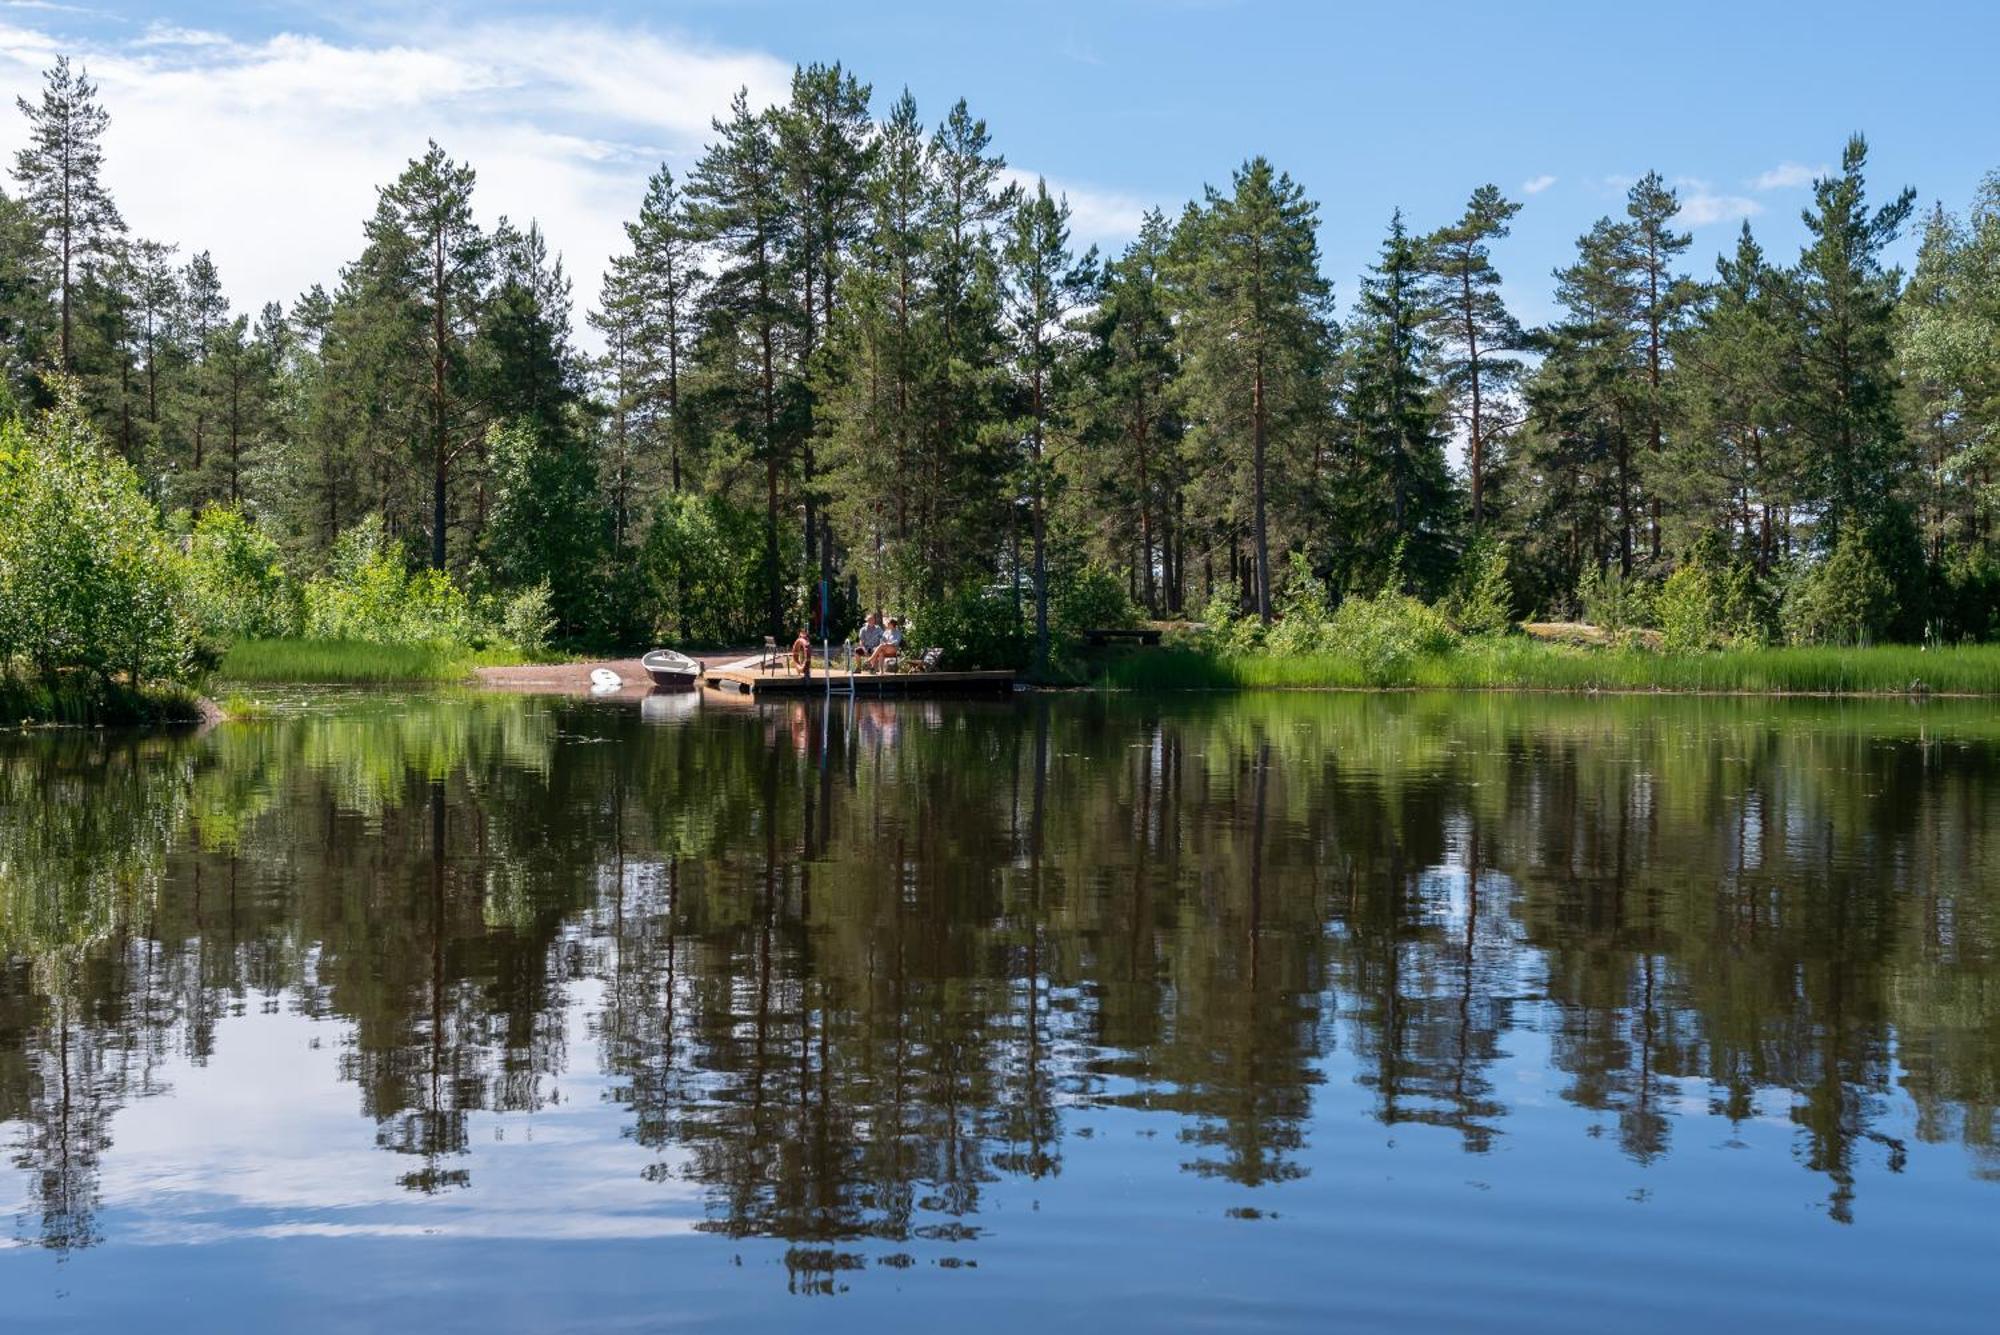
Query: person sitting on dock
point(871, 634)
point(891, 645)
point(802, 652)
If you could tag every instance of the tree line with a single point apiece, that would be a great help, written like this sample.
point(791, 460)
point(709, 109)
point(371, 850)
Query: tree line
point(857, 353)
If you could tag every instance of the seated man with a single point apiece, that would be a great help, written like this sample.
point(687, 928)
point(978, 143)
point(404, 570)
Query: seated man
point(802, 652)
point(871, 635)
point(892, 645)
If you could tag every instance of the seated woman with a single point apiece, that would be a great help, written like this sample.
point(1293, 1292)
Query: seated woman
point(802, 652)
point(892, 645)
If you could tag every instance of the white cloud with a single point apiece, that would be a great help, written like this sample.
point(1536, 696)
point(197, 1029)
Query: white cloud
point(1701, 205)
point(1105, 218)
point(1536, 184)
point(268, 152)
point(1787, 176)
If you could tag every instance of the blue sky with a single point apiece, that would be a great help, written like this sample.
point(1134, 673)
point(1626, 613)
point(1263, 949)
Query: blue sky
point(259, 130)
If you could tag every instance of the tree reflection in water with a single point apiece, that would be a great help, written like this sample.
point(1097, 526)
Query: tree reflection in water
point(844, 967)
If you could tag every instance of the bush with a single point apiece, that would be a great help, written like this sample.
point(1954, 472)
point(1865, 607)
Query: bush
point(1225, 630)
point(239, 589)
point(1713, 602)
point(529, 619)
point(977, 627)
point(1843, 598)
point(1614, 602)
point(1965, 597)
point(1091, 597)
point(1482, 600)
point(704, 564)
point(1305, 616)
point(369, 594)
point(88, 577)
point(1388, 630)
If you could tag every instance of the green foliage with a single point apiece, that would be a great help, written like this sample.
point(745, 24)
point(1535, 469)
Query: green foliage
point(547, 528)
point(369, 594)
point(1843, 598)
point(1387, 631)
point(1305, 615)
point(238, 585)
point(358, 661)
point(977, 626)
point(1092, 596)
point(1614, 602)
point(88, 578)
point(529, 620)
point(704, 565)
point(1713, 601)
point(1481, 600)
point(1223, 629)
point(1965, 596)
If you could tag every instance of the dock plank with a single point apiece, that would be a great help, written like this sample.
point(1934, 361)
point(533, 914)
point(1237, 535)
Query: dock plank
point(749, 682)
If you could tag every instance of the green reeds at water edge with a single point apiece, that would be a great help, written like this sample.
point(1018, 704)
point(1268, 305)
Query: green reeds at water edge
point(85, 700)
point(1519, 663)
point(355, 661)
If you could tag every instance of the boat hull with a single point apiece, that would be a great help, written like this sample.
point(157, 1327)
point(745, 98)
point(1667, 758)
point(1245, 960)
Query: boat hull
point(671, 671)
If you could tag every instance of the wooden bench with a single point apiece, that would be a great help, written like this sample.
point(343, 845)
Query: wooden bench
point(1097, 639)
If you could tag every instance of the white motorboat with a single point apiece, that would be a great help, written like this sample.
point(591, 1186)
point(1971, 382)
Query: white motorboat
point(671, 669)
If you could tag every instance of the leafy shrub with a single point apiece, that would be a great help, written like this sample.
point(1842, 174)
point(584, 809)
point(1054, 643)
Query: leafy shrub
point(1482, 600)
point(1388, 630)
point(1843, 598)
point(1091, 597)
point(88, 577)
point(1965, 597)
point(977, 627)
point(1613, 601)
point(370, 594)
point(1713, 601)
point(1305, 616)
point(529, 619)
point(239, 588)
point(704, 564)
point(1224, 629)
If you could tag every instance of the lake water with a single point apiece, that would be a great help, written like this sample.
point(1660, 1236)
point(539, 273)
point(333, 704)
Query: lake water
point(1283, 1012)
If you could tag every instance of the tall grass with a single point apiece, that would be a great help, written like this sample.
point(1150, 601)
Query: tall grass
point(86, 700)
point(355, 661)
point(1518, 663)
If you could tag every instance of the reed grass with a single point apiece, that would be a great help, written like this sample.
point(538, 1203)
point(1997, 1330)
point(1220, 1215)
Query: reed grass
point(1519, 663)
point(355, 661)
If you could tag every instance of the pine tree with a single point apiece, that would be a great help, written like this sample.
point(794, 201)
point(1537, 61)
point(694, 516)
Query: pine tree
point(1660, 298)
point(1254, 326)
point(737, 202)
point(823, 157)
point(59, 176)
point(1841, 306)
point(1408, 502)
point(1472, 332)
point(1132, 469)
point(1043, 285)
point(436, 261)
point(1729, 465)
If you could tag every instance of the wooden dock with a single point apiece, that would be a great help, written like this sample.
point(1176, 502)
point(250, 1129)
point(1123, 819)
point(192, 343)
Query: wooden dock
point(751, 682)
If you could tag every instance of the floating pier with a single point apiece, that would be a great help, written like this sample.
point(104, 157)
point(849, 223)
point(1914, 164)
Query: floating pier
point(753, 682)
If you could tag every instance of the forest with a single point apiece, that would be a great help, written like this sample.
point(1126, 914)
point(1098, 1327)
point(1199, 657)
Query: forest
point(850, 352)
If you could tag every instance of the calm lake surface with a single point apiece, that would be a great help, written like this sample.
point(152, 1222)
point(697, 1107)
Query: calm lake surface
point(1287, 1012)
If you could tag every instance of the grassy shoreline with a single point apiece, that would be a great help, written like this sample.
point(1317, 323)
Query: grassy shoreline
point(333, 662)
point(85, 701)
point(1521, 664)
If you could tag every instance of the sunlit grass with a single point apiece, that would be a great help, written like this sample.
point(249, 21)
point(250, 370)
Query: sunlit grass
point(1519, 663)
point(356, 661)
